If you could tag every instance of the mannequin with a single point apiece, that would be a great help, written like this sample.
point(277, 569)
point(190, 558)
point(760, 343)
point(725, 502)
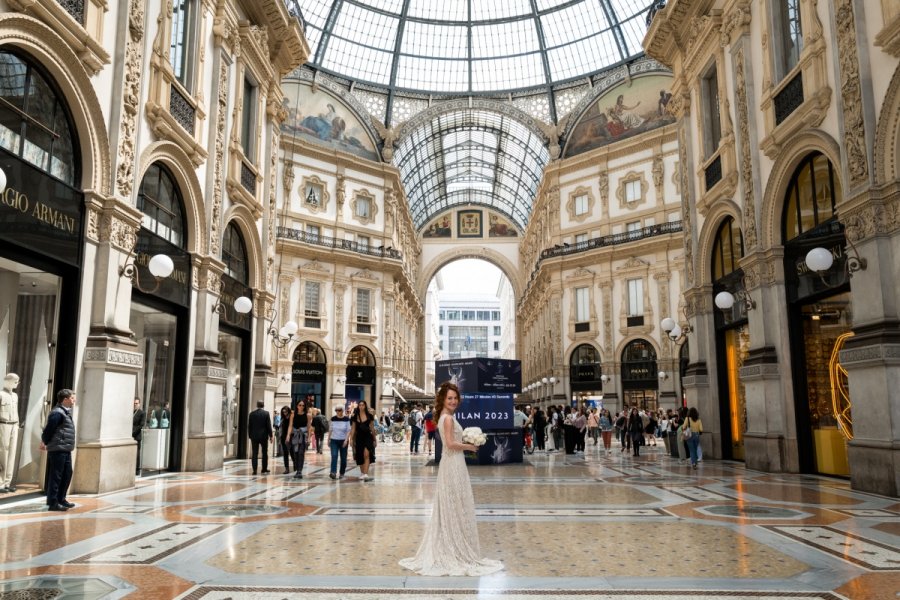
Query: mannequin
point(9, 431)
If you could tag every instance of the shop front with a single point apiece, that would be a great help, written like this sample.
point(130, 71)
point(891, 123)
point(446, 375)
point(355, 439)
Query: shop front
point(640, 386)
point(361, 374)
point(160, 320)
point(820, 317)
point(308, 374)
point(585, 377)
point(41, 256)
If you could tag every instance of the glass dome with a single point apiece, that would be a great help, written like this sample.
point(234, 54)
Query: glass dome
point(471, 46)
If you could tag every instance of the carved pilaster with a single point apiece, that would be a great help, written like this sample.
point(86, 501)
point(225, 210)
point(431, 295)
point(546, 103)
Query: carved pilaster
point(218, 169)
point(686, 220)
point(131, 94)
point(271, 224)
point(748, 225)
point(851, 94)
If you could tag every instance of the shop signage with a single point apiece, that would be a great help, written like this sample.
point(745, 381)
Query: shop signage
point(487, 411)
point(307, 372)
point(803, 282)
point(481, 374)
point(360, 375)
point(39, 212)
point(177, 286)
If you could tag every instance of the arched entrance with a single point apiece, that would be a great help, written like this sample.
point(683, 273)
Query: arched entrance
point(585, 374)
point(308, 374)
point(640, 386)
point(361, 374)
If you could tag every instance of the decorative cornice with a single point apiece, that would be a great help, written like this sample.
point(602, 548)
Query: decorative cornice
point(114, 357)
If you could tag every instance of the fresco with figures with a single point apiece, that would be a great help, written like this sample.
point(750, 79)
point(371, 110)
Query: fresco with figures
point(623, 111)
point(500, 227)
point(439, 228)
point(321, 118)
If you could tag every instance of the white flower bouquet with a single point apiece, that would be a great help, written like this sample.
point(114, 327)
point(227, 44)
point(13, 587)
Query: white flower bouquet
point(474, 436)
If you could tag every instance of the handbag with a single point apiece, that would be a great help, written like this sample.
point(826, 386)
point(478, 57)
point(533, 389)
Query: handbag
point(686, 433)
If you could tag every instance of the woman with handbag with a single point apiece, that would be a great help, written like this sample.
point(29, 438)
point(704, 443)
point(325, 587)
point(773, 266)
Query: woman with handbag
point(693, 427)
point(362, 438)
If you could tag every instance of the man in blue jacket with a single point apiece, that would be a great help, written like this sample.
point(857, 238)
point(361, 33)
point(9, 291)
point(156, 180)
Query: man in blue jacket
point(58, 439)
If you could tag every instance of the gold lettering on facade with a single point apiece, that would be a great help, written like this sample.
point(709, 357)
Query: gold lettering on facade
point(16, 200)
point(53, 217)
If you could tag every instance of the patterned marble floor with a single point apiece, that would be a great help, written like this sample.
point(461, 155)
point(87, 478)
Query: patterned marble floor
point(591, 527)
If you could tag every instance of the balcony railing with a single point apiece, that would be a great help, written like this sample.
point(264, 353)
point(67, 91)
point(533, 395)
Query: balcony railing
point(712, 174)
point(789, 99)
point(330, 242)
point(612, 240)
point(248, 178)
point(74, 8)
point(182, 110)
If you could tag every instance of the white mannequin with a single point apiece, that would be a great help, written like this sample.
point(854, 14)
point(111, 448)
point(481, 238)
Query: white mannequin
point(9, 431)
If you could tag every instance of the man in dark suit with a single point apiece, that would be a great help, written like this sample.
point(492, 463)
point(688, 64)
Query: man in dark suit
point(138, 418)
point(259, 428)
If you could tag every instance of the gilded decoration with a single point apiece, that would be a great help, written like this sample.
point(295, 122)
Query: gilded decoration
point(621, 192)
point(748, 224)
point(851, 94)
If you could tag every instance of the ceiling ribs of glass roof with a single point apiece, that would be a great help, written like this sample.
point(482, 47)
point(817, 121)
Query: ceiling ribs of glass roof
point(471, 157)
point(428, 50)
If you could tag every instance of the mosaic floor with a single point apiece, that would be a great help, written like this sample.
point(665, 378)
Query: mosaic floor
point(591, 527)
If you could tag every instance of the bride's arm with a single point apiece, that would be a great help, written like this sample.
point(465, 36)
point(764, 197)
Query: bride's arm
point(449, 440)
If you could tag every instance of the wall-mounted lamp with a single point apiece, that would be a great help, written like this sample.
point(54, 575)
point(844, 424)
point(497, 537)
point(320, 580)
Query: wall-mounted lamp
point(282, 337)
point(2, 181)
point(819, 260)
point(673, 330)
point(160, 266)
point(604, 378)
point(242, 304)
point(662, 375)
point(285, 378)
point(725, 300)
point(342, 379)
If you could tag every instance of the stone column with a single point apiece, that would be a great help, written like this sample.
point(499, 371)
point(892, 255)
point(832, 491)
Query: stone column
point(698, 389)
point(106, 452)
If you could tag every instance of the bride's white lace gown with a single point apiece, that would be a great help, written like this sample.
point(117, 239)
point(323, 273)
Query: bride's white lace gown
point(450, 545)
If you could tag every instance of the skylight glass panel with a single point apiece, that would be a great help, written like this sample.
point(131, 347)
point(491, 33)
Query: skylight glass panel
point(316, 12)
point(634, 31)
point(504, 39)
point(443, 10)
point(313, 37)
point(573, 23)
point(431, 40)
point(583, 57)
point(437, 75)
point(626, 9)
point(545, 4)
point(393, 6)
point(366, 27)
point(515, 72)
point(359, 62)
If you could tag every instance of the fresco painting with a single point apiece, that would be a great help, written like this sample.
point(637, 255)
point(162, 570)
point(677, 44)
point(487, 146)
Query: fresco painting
point(321, 118)
point(624, 111)
point(500, 227)
point(439, 228)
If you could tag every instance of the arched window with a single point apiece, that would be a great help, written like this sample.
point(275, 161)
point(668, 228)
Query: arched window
point(234, 254)
point(812, 194)
point(34, 119)
point(728, 249)
point(639, 362)
point(360, 355)
point(585, 354)
point(160, 200)
point(309, 352)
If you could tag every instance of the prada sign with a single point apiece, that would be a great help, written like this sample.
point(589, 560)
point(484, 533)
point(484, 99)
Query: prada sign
point(39, 212)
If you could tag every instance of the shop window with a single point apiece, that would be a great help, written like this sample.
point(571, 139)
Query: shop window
point(639, 374)
point(160, 200)
point(230, 348)
point(360, 355)
point(182, 47)
point(309, 352)
point(34, 120)
point(234, 254)
point(812, 194)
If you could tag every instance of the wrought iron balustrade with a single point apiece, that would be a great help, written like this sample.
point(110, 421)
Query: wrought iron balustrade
point(181, 110)
point(74, 8)
point(654, 8)
point(330, 242)
point(789, 99)
point(712, 174)
point(248, 178)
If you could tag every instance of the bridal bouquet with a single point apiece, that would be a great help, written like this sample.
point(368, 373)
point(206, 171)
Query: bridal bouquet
point(474, 436)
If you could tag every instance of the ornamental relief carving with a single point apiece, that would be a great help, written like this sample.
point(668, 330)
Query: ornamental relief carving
point(271, 222)
point(117, 232)
point(686, 212)
point(219, 167)
point(131, 93)
point(851, 95)
point(748, 224)
point(735, 23)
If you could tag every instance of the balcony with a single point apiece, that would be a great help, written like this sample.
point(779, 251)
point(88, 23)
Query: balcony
point(611, 240)
point(325, 241)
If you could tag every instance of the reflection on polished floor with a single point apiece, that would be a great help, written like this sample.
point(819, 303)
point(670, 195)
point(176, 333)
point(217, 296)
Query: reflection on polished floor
point(584, 526)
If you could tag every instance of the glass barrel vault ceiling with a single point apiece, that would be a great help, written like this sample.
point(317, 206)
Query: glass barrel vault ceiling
point(471, 46)
point(471, 157)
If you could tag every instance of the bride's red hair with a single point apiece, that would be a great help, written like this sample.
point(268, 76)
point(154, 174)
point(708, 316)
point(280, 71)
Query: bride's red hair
point(442, 397)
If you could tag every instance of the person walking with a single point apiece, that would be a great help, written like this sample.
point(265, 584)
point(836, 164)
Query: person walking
point(362, 438)
point(430, 429)
point(320, 428)
point(540, 429)
point(580, 430)
point(450, 545)
point(416, 421)
point(606, 430)
point(259, 429)
point(283, 439)
point(693, 427)
point(297, 433)
point(635, 429)
point(337, 442)
point(58, 440)
point(593, 423)
point(138, 418)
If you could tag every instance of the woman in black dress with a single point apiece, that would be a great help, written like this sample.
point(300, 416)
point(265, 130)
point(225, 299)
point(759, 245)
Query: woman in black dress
point(283, 438)
point(298, 436)
point(362, 438)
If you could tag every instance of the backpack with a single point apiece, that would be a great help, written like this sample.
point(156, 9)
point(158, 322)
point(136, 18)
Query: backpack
point(411, 419)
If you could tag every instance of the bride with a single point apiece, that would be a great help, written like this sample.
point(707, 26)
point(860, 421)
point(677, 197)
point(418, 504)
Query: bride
point(450, 545)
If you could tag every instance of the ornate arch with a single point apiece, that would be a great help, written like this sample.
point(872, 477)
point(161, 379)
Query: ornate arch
point(245, 222)
point(65, 67)
point(717, 214)
point(492, 256)
point(293, 347)
point(779, 178)
point(375, 355)
point(620, 348)
point(887, 134)
point(177, 161)
point(571, 348)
